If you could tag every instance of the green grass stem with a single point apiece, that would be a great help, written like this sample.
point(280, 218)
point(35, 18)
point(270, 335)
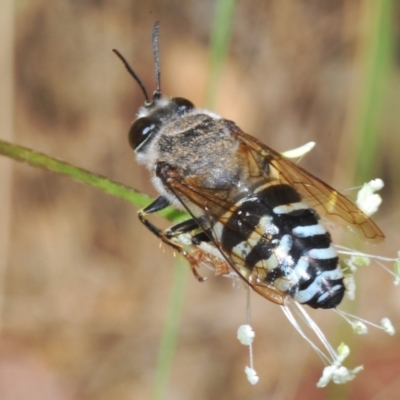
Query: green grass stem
point(366, 111)
point(220, 39)
point(171, 330)
point(109, 186)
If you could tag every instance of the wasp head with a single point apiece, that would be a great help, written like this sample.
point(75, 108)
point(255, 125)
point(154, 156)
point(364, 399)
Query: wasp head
point(152, 116)
point(156, 111)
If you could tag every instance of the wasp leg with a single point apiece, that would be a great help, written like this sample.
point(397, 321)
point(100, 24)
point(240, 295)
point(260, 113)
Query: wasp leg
point(168, 235)
point(183, 227)
point(157, 205)
point(201, 237)
point(190, 225)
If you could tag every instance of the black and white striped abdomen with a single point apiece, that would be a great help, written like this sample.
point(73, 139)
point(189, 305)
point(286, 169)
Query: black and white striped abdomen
point(274, 234)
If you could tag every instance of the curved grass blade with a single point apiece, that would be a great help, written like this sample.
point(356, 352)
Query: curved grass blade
point(109, 186)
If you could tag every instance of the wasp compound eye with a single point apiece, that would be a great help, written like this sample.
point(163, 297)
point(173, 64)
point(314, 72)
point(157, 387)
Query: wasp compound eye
point(140, 131)
point(183, 104)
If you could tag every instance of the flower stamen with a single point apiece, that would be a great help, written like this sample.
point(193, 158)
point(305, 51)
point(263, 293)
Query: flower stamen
point(359, 325)
point(246, 335)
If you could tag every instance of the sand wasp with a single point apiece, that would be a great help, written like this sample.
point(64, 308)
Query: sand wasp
point(256, 211)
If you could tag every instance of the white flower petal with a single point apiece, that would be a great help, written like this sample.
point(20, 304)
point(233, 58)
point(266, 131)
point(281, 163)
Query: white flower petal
point(327, 375)
point(376, 184)
point(350, 286)
point(245, 334)
point(344, 375)
point(299, 151)
point(359, 328)
point(251, 375)
point(343, 351)
point(387, 326)
point(360, 261)
point(367, 200)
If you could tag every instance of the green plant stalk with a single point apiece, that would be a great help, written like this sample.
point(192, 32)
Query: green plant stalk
point(220, 39)
point(367, 110)
point(113, 188)
point(378, 50)
point(171, 330)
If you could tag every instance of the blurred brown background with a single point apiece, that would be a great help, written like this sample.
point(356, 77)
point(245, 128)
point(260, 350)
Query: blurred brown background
point(84, 287)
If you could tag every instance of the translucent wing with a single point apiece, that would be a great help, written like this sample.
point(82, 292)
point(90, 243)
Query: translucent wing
point(212, 207)
point(327, 201)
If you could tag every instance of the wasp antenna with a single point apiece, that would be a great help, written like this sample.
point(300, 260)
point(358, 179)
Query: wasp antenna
point(157, 93)
point(132, 73)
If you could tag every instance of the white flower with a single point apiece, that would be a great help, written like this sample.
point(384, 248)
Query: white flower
point(251, 374)
point(367, 200)
point(360, 261)
point(355, 260)
point(359, 325)
point(245, 334)
point(327, 375)
point(299, 151)
point(350, 286)
point(344, 375)
point(376, 184)
point(359, 328)
point(337, 372)
point(387, 326)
